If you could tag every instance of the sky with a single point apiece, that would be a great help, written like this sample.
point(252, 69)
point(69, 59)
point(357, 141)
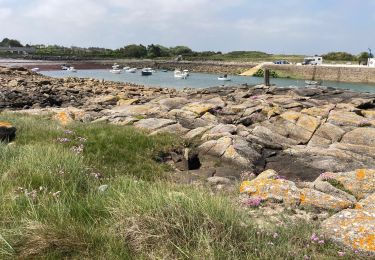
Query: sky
point(277, 26)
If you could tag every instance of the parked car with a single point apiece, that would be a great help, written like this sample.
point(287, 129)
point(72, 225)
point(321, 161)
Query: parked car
point(281, 62)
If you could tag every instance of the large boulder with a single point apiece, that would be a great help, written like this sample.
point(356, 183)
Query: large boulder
point(7, 132)
point(320, 200)
point(360, 136)
point(361, 183)
point(352, 228)
point(268, 187)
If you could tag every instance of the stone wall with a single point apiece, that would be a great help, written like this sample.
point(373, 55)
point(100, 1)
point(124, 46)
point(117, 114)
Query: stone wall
point(331, 73)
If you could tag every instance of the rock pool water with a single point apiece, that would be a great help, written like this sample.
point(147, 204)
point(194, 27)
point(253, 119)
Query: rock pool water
point(197, 80)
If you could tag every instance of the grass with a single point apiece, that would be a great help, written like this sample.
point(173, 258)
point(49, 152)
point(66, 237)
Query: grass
point(51, 207)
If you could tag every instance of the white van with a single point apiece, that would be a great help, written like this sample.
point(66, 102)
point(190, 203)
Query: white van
point(371, 62)
point(314, 60)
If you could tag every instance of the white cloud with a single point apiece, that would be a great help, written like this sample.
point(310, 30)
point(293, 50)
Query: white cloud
point(5, 13)
point(279, 25)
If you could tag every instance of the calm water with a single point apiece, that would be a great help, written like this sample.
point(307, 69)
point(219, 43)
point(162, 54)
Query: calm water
point(196, 80)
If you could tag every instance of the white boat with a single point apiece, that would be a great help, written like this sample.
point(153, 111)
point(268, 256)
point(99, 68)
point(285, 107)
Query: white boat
point(131, 70)
point(115, 69)
point(35, 69)
point(313, 82)
point(71, 69)
point(64, 67)
point(147, 72)
point(186, 72)
point(224, 78)
point(126, 68)
point(180, 75)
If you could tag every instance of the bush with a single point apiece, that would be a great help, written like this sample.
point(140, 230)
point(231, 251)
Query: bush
point(260, 73)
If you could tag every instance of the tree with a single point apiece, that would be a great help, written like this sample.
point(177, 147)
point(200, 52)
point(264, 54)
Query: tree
point(153, 51)
point(164, 51)
point(363, 57)
point(134, 51)
point(10, 43)
point(339, 56)
point(181, 50)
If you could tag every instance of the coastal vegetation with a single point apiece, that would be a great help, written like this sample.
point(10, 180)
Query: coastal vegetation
point(80, 191)
point(157, 51)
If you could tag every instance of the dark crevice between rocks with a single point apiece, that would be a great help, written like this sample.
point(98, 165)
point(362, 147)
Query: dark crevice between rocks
point(260, 164)
point(194, 162)
point(368, 105)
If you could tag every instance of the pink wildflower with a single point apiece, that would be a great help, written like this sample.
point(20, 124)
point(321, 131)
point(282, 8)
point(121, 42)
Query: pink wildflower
point(314, 237)
point(253, 202)
point(326, 176)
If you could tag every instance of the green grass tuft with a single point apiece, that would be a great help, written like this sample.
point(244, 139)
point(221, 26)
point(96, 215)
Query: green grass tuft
point(51, 207)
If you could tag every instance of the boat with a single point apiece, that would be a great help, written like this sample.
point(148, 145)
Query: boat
point(131, 70)
point(146, 72)
point(186, 72)
point(164, 70)
point(126, 68)
point(224, 78)
point(115, 69)
point(180, 75)
point(71, 69)
point(35, 69)
point(65, 67)
point(313, 82)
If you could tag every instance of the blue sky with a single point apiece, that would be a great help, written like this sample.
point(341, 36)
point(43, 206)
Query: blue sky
point(277, 26)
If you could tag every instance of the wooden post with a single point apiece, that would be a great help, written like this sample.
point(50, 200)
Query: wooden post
point(267, 77)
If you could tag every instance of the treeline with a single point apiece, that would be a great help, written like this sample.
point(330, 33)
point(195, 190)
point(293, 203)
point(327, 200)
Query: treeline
point(140, 51)
point(10, 43)
point(344, 56)
point(155, 51)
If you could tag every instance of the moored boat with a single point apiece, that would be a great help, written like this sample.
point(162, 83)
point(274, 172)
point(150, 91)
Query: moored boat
point(313, 82)
point(146, 72)
point(115, 69)
point(224, 78)
point(72, 69)
point(131, 70)
point(180, 75)
point(186, 72)
point(35, 69)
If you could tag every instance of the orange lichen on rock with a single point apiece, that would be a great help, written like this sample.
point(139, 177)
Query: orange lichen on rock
point(317, 199)
point(353, 228)
point(273, 189)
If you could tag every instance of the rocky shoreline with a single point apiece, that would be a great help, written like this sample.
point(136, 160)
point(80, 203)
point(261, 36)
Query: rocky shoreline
point(216, 67)
point(308, 147)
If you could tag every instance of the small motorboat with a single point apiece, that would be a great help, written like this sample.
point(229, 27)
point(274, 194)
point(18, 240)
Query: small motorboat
point(115, 69)
point(65, 67)
point(35, 69)
point(146, 72)
point(126, 68)
point(313, 82)
point(71, 69)
point(180, 75)
point(164, 70)
point(224, 78)
point(131, 70)
point(186, 72)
